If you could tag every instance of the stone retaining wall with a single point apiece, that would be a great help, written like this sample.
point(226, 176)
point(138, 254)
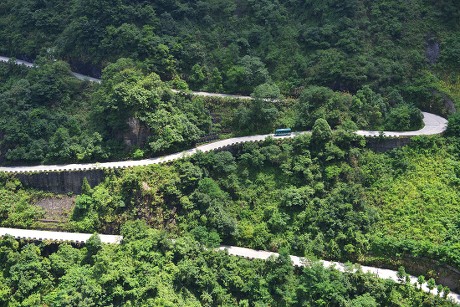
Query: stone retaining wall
point(384, 144)
point(61, 182)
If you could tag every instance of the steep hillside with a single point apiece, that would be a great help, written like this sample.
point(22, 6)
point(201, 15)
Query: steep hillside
point(405, 47)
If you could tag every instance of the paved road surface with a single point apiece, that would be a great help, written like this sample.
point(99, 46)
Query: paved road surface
point(19, 62)
point(434, 124)
point(232, 250)
point(298, 261)
point(57, 236)
point(88, 78)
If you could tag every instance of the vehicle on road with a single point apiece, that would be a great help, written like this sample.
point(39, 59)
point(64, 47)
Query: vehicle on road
point(283, 131)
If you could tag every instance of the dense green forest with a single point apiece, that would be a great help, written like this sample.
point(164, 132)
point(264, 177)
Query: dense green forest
point(407, 46)
point(51, 117)
point(331, 67)
point(321, 195)
point(147, 269)
point(373, 63)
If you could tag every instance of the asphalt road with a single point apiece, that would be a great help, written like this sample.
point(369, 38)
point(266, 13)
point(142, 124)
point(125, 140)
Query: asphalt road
point(300, 262)
point(88, 78)
point(41, 235)
point(434, 124)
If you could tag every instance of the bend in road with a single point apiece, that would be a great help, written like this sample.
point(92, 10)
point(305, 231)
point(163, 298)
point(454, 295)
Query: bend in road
point(433, 124)
point(301, 262)
point(232, 250)
point(91, 79)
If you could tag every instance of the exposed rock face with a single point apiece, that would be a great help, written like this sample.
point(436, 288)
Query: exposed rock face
point(57, 209)
point(448, 104)
point(442, 273)
point(137, 134)
point(432, 50)
point(441, 103)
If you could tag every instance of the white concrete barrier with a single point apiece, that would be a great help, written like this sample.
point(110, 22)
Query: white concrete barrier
point(42, 235)
point(301, 262)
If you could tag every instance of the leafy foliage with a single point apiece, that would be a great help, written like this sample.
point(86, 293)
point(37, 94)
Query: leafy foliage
point(148, 269)
point(344, 65)
point(44, 117)
point(315, 195)
point(52, 117)
point(235, 46)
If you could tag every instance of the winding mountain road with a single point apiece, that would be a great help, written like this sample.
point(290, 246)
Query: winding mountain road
point(433, 124)
point(301, 262)
point(41, 235)
point(91, 79)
